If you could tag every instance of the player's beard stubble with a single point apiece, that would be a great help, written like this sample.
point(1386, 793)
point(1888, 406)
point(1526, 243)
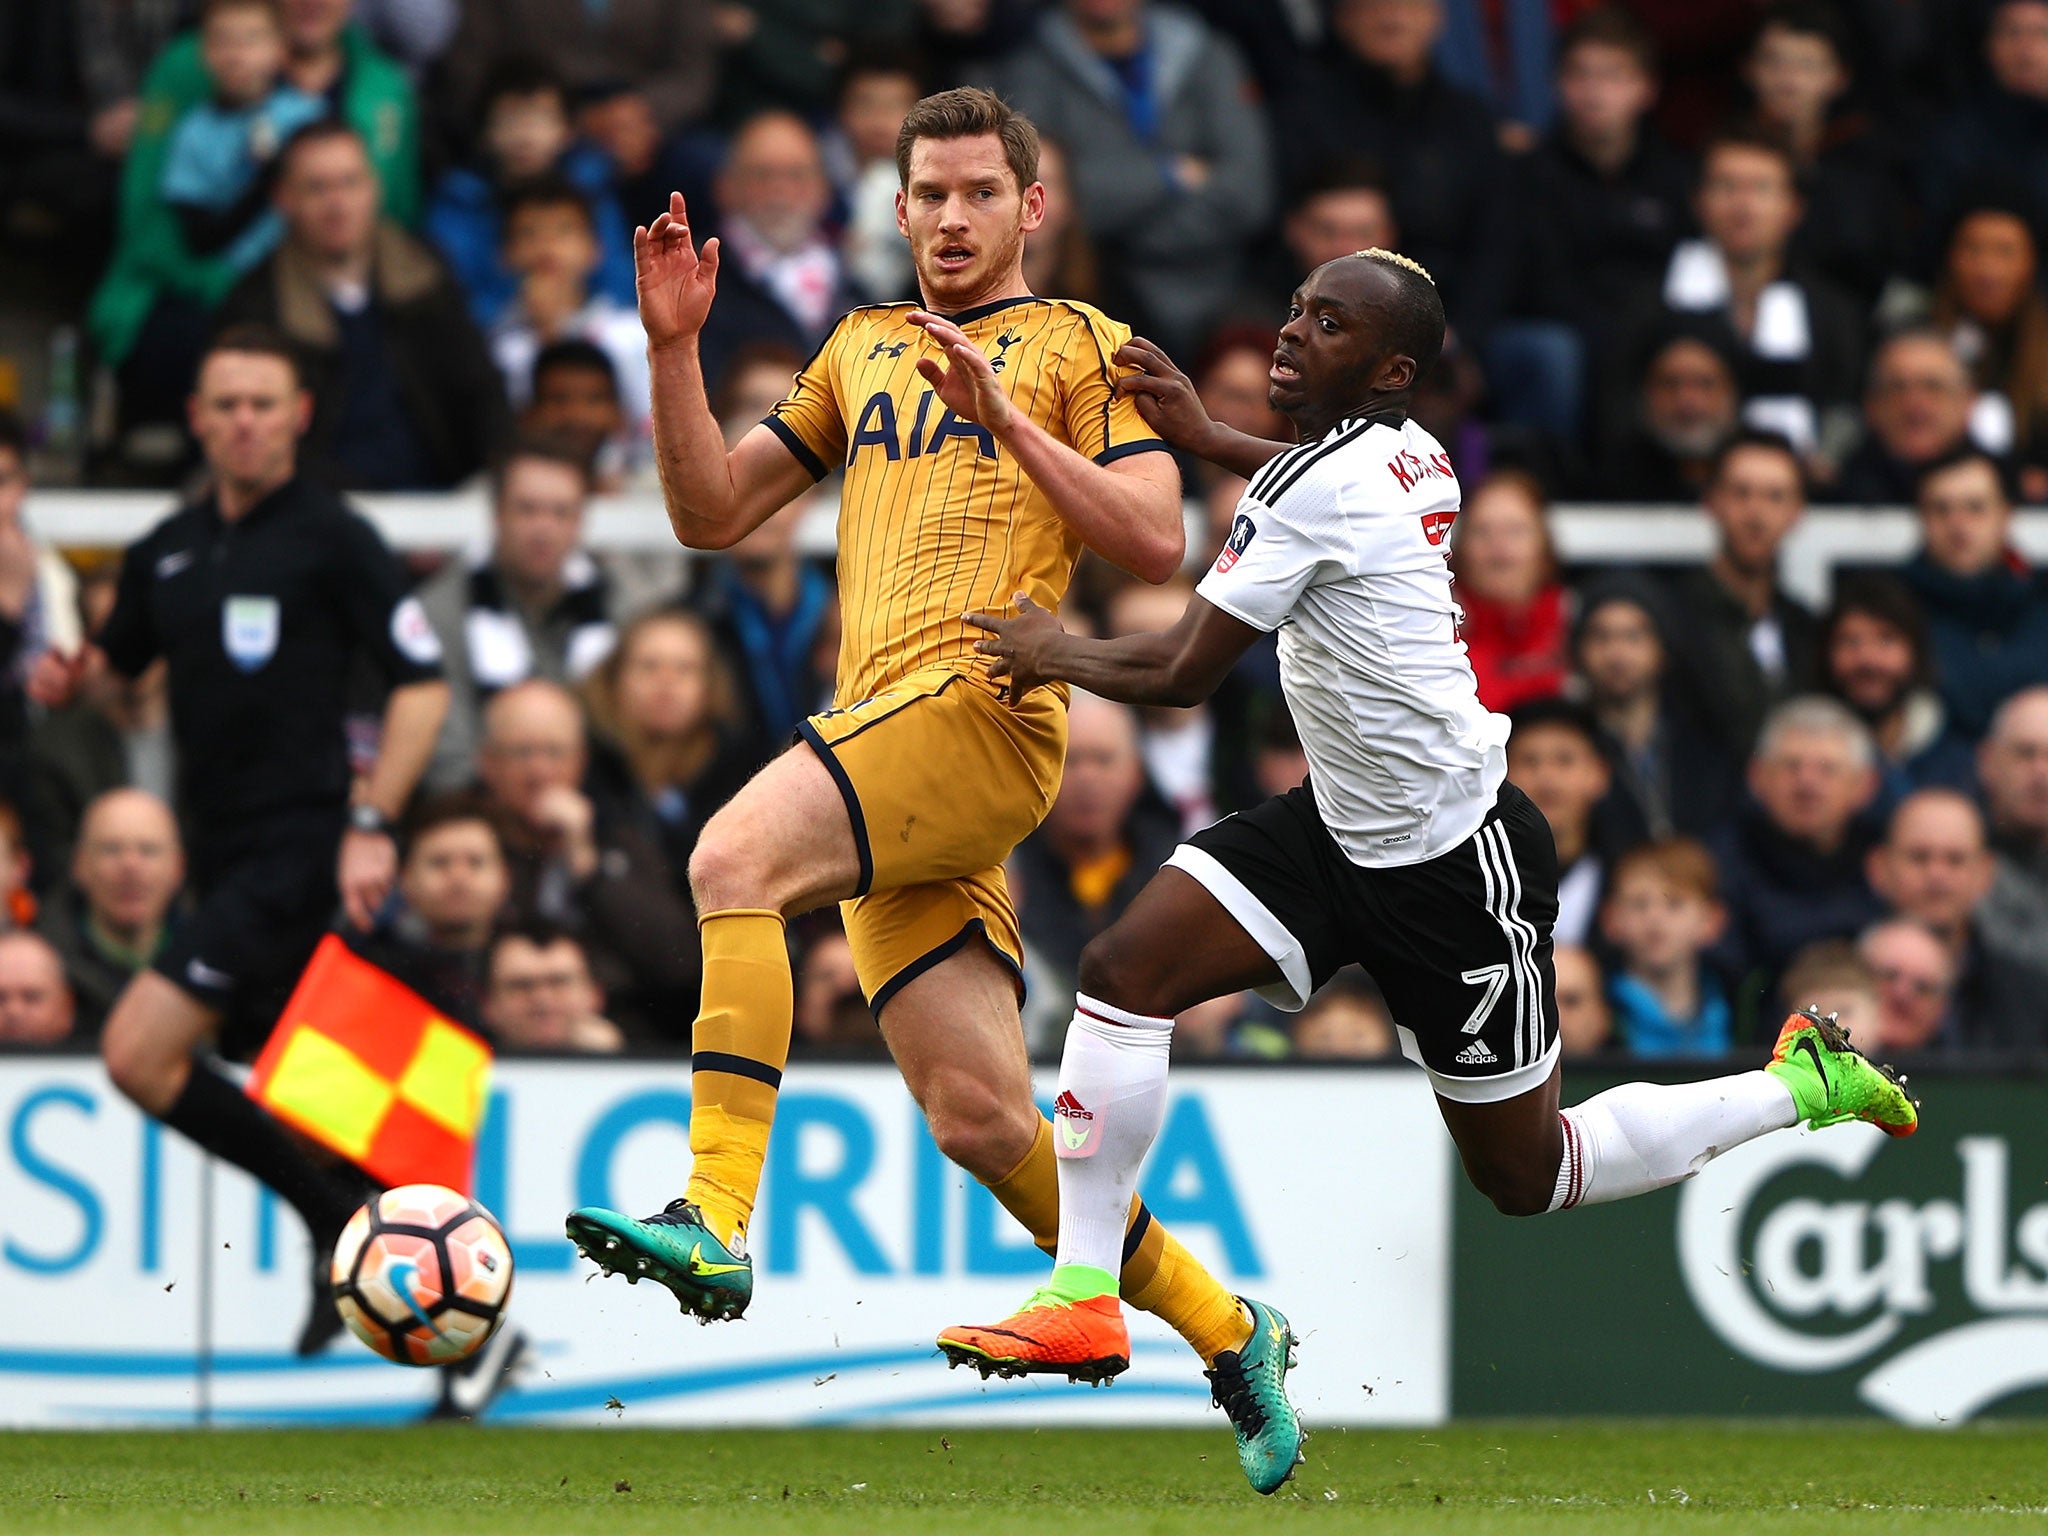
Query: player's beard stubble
point(994, 268)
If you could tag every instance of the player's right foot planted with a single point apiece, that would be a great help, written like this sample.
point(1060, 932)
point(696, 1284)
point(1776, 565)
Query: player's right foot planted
point(1050, 1335)
point(676, 1248)
point(1250, 1384)
point(1831, 1081)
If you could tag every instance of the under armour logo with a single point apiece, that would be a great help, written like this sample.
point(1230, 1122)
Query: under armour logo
point(1003, 344)
point(894, 349)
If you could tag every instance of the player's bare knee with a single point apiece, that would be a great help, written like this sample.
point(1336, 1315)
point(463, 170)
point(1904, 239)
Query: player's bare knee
point(975, 1129)
point(726, 870)
point(1124, 976)
point(1513, 1191)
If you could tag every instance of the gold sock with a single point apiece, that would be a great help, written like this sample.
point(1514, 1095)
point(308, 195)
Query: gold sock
point(1159, 1275)
point(739, 1048)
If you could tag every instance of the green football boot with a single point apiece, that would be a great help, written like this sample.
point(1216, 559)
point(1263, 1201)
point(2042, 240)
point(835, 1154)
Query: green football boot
point(1831, 1081)
point(1250, 1384)
point(713, 1283)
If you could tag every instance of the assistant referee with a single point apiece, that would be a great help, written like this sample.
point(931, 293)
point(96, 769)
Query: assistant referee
point(261, 597)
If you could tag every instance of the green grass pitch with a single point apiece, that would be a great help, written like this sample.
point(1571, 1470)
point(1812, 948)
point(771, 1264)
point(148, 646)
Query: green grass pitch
point(1467, 1478)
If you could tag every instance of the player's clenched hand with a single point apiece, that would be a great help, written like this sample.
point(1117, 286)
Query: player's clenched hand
point(1019, 649)
point(676, 281)
point(966, 382)
point(1164, 395)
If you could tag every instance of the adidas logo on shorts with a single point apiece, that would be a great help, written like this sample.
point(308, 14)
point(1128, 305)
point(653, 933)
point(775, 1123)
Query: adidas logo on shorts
point(1475, 1055)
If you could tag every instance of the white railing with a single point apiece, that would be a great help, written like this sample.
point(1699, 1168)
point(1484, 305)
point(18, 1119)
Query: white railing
point(1617, 535)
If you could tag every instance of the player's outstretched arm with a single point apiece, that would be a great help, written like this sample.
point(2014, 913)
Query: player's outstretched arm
point(1166, 398)
point(1127, 511)
point(1179, 667)
point(714, 498)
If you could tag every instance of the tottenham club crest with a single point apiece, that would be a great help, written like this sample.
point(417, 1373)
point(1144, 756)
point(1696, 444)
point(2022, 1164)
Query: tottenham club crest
point(1241, 533)
point(248, 631)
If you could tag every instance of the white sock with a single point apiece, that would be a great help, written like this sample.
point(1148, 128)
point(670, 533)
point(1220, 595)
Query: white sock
point(1642, 1136)
point(1112, 1099)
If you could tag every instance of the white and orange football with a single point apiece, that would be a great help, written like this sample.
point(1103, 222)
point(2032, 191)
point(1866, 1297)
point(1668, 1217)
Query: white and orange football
point(422, 1275)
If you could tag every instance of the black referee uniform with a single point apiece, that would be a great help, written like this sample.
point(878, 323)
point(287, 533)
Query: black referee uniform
point(261, 621)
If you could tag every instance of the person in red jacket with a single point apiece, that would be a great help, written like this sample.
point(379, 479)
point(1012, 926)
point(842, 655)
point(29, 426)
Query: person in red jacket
point(1517, 625)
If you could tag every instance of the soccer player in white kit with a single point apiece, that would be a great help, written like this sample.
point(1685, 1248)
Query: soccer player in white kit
point(1406, 851)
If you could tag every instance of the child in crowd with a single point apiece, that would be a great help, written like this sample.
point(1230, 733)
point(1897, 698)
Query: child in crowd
point(527, 134)
point(575, 397)
point(1831, 977)
point(219, 162)
point(1584, 1021)
point(551, 247)
point(1555, 757)
point(1663, 912)
point(860, 156)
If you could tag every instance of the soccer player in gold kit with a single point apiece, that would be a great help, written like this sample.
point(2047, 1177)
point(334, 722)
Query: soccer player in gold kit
point(984, 445)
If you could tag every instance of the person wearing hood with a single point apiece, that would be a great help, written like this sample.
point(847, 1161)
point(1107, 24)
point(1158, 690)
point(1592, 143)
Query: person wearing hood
point(1987, 611)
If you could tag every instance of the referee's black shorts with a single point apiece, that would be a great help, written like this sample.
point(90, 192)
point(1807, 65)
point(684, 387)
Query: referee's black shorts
point(266, 896)
point(1459, 944)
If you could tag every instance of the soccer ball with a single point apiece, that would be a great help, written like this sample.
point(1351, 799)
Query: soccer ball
point(422, 1275)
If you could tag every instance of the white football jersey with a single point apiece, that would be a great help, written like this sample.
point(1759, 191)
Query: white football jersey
point(1340, 544)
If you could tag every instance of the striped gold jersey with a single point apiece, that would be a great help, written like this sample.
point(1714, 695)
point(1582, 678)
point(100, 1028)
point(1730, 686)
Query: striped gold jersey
point(937, 519)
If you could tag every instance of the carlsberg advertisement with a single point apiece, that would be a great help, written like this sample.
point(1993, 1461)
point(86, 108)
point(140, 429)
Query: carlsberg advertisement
point(1828, 1272)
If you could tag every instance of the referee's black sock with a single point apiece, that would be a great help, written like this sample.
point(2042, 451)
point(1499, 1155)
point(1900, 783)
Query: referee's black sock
point(221, 1118)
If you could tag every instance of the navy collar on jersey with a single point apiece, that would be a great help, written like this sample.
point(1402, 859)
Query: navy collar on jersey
point(964, 316)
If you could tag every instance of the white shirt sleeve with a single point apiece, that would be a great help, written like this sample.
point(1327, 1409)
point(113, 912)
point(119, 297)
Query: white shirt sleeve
point(1265, 566)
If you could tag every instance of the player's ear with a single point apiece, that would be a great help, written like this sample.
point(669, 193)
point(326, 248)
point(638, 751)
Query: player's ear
point(1395, 374)
point(902, 213)
point(1034, 206)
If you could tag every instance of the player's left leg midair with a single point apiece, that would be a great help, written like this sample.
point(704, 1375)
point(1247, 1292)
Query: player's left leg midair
point(1174, 948)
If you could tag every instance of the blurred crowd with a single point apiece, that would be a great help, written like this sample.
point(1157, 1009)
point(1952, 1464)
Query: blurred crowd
point(1721, 255)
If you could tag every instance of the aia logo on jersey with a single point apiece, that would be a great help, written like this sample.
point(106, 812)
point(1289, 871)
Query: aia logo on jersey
point(1241, 533)
point(1437, 524)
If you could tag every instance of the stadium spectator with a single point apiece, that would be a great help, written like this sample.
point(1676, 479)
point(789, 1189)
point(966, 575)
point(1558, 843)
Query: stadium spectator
point(1800, 72)
point(1099, 844)
point(551, 246)
point(661, 705)
point(220, 161)
point(1934, 867)
point(787, 54)
point(1170, 154)
point(453, 884)
point(1375, 90)
point(1670, 774)
point(1875, 658)
point(1346, 1021)
point(584, 866)
point(961, 39)
point(1916, 981)
point(534, 605)
point(263, 597)
point(575, 399)
point(2000, 128)
point(154, 344)
point(1792, 862)
point(1986, 610)
point(1832, 978)
point(1176, 745)
point(1601, 201)
point(1556, 758)
point(832, 1017)
point(114, 919)
point(38, 592)
point(769, 608)
point(1796, 338)
point(1916, 408)
point(1663, 914)
point(405, 396)
point(781, 279)
point(1748, 642)
point(1343, 207)
point(1585, 1022)
point(18, 905)
point(35, 1000)
point(1059, 258)
point(876, 92)
point(665, 49)
point(2012, 765)
point(1516, 620)
point(1231, 380)
point(539, 995)
point(1682, 411)
point(1988, 301)
point(526, 133)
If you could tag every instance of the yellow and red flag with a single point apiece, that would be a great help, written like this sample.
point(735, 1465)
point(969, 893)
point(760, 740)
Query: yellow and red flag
point(363, 1064)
